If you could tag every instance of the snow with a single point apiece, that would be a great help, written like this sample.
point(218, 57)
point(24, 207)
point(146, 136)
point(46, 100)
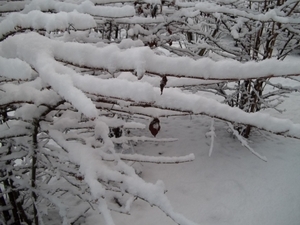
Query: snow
point(115, 122)
point(172, 81)
point(143, 59)
point(230, 186)
point(153, 159)
point(244, 142)
point(86, 7)
point(140, 20)
point(14, 68)
point(14, 129)
point(12, 6)
point(129, 43)
point(27, 93)
point(12, 156)
point(29, 111)
point(118, 1)
point(50, 22)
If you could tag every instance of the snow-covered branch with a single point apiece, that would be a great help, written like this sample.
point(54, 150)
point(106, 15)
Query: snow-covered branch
point(152, 159)
point(245, 143)
point(14, 68)
point(212, 135)
point(45, 21)
point(86, 7)
point(143, 60)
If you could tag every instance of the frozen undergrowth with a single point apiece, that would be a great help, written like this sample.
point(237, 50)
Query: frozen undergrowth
point(66, 118)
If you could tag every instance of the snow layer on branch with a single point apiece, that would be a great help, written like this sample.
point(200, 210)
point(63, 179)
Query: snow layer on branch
point(172, 81)
point(123, 1)
point(141, 20)
point(29, 111)
point(14, 69)
point(143, 59)
point(39, 20)
point(27, 93)
point(55, 75)
point(182, 4)
point(14, 129)
point(125, 88)
point(85, 7)
point(129, 43)
point(177, 82)
point(12, 6)
point(156, 159)
point(124, 44)
point(38, 53)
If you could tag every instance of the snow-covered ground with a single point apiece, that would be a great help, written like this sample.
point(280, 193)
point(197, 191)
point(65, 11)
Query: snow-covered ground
point(232, 186)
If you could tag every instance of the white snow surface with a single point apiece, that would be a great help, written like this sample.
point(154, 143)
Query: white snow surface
point(14, 68)
point(232, 186)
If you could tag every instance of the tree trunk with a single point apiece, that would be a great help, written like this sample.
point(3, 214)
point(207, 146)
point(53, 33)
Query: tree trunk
point(33, 170)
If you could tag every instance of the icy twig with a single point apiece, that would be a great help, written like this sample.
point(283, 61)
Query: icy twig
point(143, 139)
point(129, 203)
point(244, 142)
point(150, 159)
point(212, 135)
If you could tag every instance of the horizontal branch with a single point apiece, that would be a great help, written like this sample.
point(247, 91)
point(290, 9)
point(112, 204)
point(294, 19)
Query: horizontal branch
point(143, 60)
point(86, 7)
point(219, 114)
point(152, 159)
point(46, 21)
point(133, 71)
